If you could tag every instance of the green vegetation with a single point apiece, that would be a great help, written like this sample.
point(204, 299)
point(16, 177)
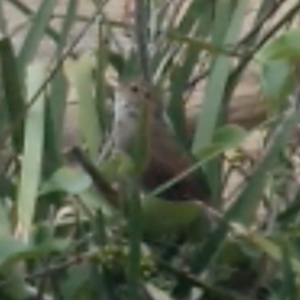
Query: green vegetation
point(66, 233)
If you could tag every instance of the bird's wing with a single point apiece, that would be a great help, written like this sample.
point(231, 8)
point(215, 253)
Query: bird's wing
point(168, 160)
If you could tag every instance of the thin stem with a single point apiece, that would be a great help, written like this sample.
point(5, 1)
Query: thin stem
point(141, 34)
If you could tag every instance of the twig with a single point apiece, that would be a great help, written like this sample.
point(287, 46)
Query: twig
point(258, 26)
point(99, 182)
point(250, 52)
point(247, 58)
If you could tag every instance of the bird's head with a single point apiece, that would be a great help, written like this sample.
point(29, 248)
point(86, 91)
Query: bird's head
point(135, 95)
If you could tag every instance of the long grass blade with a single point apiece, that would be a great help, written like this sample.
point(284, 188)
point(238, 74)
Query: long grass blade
point(243, 208)
point(212, 105)
point(12, 90)
point(33, 152)
point(35, 33)
point(3, 25)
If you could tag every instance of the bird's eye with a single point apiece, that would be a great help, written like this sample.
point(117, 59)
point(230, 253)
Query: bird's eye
point(134, 88)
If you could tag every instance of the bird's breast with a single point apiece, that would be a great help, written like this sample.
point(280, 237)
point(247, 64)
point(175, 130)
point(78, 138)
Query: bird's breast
point(125, 125)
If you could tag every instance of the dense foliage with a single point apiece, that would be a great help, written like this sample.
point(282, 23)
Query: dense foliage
point(66, 233)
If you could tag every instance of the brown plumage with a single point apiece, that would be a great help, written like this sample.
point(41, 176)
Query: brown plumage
point(166, 159)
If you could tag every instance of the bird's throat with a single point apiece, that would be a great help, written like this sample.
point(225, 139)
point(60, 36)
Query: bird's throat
point(126, 122)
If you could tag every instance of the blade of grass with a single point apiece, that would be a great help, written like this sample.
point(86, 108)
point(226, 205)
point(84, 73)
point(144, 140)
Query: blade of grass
point(190, 16)
point(142, 36)
point(224, 13)
point(9, 129)
point(273, 249)
point(182, 72)
point(56, 105)
point(29, 12)
point(102, 63)
point(33, 151)
point(166, 52)
point(212, 103)
point(58, 86)
point(225, 32)
point(243, 208)
point(3, 25)
point(291, 212)
point(246, 59)
point(35, 33)
point(289, 288)
point(12, 90)
point(135, 237)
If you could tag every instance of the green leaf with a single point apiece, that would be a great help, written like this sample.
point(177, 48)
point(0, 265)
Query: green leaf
point(68, 180)
point(12, 250)
point(269, 247)
point(229, 136)
point(277, 82)
point(170, 217)
point(284, 47)
point(76, 281)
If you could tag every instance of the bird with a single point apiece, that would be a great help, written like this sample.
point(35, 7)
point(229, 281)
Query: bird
point(165, 158)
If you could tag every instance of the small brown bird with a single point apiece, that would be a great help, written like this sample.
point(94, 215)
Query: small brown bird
point(165, 157)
